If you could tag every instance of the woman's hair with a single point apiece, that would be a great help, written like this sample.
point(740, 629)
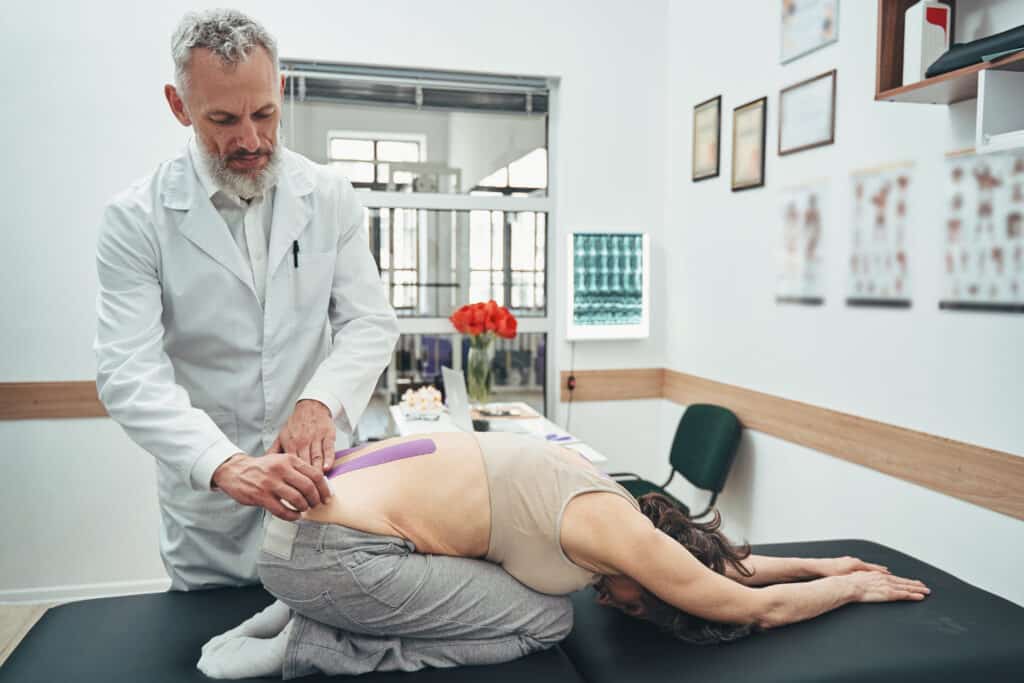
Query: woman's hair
point(714, 550)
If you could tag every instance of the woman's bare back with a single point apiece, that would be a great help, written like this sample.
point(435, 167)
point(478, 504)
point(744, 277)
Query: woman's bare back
point(438, 500)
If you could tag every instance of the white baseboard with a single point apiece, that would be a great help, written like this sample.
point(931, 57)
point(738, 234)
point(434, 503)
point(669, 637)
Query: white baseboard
point(61, 594)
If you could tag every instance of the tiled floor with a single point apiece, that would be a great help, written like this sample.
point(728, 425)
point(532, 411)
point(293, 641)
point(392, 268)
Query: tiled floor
point(15, 622)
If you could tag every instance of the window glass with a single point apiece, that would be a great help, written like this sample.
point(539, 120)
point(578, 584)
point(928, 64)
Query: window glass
point(393, 150)
point(382, 218)
point(524, 237)
point(434, 261)
point(404, 295)
point(539, 259)
point(480, 285)
point(530, 171)
point(458, 133)
point(497, 239)
point(497, 179)
point(518, 369)
point(369, 175)
point(479, 239)
point(356, 171)
point(405, 235)
point(346, 148)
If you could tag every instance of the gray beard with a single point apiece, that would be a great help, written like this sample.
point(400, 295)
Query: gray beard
point(243, 185)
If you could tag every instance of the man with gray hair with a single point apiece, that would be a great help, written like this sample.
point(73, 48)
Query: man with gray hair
point(241, 320)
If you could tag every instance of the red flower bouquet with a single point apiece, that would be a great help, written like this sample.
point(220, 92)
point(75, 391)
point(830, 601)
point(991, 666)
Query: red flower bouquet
point(483, 318)
point(482, 322)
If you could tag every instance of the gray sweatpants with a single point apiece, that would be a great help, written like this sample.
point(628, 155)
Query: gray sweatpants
point(365, 603)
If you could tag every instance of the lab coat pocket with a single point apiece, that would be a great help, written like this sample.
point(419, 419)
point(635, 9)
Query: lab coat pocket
point(311, 287)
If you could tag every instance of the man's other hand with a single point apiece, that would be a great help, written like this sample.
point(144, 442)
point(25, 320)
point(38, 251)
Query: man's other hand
point(268, 480)
point(309, 433)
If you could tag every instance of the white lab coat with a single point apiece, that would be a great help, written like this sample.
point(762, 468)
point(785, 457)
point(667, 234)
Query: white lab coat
point(194, 369)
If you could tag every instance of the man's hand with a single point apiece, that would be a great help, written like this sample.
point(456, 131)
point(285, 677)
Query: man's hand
point(309, 433)
point(840, 566)
point(267, 480)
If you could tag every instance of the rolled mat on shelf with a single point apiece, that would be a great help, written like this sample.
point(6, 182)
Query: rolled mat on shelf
point(984, 49)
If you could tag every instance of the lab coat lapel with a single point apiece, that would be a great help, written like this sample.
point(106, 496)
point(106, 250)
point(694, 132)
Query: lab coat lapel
point(202, 225)
point(292, 212)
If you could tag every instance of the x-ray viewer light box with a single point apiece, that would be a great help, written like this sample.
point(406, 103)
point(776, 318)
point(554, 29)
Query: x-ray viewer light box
point(609, 278)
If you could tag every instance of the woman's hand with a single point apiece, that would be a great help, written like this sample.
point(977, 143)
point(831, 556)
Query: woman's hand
point(840, 566)
point(874, 586)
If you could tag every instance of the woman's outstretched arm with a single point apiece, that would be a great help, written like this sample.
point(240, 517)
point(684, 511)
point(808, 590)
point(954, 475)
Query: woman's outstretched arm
point(603, 532)
point(768, 570)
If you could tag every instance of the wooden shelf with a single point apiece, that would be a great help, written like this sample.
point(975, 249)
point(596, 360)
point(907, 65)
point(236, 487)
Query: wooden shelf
point(889, 57)
point(951, 87)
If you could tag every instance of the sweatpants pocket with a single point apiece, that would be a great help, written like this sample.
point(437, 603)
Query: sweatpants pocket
point(390, 578)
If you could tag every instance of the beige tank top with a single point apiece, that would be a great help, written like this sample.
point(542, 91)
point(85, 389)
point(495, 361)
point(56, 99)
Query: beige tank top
point(530, 483)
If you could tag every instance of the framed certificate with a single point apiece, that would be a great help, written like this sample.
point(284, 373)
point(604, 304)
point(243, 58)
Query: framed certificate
point(806, 26)
point(707, 129)
point(807, 114)
point(748, 135)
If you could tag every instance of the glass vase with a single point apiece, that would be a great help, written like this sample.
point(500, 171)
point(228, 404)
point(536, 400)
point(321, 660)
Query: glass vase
point(478, 368)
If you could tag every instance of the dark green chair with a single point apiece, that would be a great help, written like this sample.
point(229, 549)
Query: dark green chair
point(702, 451)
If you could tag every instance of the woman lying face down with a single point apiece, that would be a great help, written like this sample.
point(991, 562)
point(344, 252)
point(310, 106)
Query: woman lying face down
point(448, 549)
point(707, 544)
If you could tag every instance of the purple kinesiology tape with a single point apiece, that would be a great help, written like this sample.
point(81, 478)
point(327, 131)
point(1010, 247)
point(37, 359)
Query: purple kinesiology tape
point(407, 449)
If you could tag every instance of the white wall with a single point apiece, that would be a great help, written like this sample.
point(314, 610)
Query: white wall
point(78, 501)
point(89, 117)
point(958, 375)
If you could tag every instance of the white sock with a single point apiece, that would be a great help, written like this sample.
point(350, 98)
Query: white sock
point(236, 655)
point(264, 624)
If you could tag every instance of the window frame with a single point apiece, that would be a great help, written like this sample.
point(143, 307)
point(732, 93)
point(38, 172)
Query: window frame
point(375, 137)
point(441, 325)
point(383, 199)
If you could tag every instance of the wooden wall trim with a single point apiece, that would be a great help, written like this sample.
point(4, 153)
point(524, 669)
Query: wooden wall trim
point(614, 385)
point(989, 478)
point(44, 400)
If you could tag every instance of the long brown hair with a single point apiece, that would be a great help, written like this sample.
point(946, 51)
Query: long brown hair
point(714, 550)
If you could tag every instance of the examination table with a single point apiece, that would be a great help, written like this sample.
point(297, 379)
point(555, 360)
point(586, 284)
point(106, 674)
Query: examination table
point(958, 633)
